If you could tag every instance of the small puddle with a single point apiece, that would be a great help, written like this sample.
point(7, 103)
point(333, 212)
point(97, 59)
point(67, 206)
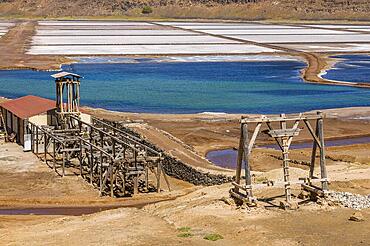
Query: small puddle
point(227, 158)
point(75, 211)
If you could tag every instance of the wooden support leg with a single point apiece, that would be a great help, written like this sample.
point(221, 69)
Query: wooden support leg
point(64, 163)
point(248, 176)
point(80, 156)
point(111, 179)
point(159, 169)
point(313, 156)
point(32, 139)
point(240, 160)
point(37, 141)
point(91, 164)
point(146, 178)
point(45, 147)
point(54, 159)
point(136, 184)
point(324, 174)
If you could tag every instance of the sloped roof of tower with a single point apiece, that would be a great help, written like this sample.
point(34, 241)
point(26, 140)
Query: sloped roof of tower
point(65, 74)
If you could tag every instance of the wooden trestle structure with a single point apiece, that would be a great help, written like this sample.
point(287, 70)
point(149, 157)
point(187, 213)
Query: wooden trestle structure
point(242, 191)
point(112, 160)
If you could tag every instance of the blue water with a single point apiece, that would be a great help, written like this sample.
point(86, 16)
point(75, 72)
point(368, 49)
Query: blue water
point(191, 87)
point(354, 68)
point(228, 157)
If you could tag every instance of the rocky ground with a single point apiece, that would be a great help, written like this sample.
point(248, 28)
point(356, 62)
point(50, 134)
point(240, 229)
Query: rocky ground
point(221, 9)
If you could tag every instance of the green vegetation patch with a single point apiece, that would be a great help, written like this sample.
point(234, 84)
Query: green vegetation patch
point(185, 234)
point(213, 237)
point(147, 10)
point(184, 229)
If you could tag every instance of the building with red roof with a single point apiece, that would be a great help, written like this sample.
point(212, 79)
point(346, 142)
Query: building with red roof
point(18, 112)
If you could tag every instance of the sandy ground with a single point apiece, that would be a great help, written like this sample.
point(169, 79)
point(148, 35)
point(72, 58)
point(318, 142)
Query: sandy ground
point(192, 212)
point(199, 214)
point(28, 182)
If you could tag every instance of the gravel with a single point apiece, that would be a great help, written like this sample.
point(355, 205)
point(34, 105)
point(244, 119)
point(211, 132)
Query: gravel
point(350, 200)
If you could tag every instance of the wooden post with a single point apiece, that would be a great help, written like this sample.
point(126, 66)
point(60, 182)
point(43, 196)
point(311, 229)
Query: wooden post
point(64, 162)
point(32, 139)
point(54, 159)
point(45, 146)
point(146, 177)
point(313, 154)
point(100, 169)
point(80, 156)
point(37, 140)
point(159, 169)
point(324, 174)
point(136, 184)
point(240, 160)
point(91, 157)
point(111, 178)
point(246, 152)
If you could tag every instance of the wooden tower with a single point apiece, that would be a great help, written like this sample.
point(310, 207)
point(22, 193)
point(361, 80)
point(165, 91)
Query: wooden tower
point(67, 98)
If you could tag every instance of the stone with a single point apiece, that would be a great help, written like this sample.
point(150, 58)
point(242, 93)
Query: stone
point(357, 217)
point(304, 195)
point(228, 201)
point(289, 205)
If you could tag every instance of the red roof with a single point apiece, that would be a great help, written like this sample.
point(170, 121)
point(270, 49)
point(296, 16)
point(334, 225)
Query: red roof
point(28, 106)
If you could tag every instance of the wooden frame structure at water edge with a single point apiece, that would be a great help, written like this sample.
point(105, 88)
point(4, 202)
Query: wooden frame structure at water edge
point(109, 158)
point(283, 138)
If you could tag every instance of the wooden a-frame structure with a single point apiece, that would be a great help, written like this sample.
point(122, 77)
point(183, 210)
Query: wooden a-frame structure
point(283, 138)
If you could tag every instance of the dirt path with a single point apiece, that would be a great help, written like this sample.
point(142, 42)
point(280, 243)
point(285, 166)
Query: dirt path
point(14, 45)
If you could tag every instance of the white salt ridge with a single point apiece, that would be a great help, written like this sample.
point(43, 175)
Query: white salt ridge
point(274, 31)
point(218, 25)
point(113, 32)
point(93, 23)
point(304, 38)
point(48, 40)
point(341, 26)
point(331, 48)
point(243, 27)
point(146, 49)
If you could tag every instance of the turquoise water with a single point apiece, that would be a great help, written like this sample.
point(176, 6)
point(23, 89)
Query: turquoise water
point(353, 68)
point(191, 87)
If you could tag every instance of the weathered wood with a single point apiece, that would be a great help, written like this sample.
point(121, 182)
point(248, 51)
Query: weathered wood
point(283, 137)
point(54, 153)
point(240, 158)
point(320, 124)
point(246, 152)
point(313, 133)
point(265, 119)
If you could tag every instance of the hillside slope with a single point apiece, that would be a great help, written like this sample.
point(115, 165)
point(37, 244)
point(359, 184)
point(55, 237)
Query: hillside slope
point(227, 9)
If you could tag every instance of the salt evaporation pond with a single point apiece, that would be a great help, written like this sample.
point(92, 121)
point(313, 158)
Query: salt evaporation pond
point(150, 85)
point(353, 68)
